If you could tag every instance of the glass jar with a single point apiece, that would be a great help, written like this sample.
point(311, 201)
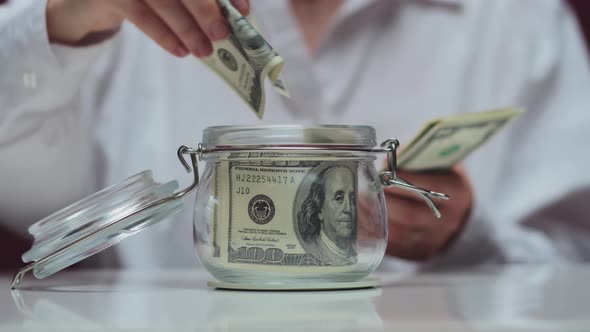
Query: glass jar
point(289, 213)
point(275, 205)
point(290, 204)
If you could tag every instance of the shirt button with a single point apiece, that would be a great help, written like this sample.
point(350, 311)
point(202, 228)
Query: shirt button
point(30, 80)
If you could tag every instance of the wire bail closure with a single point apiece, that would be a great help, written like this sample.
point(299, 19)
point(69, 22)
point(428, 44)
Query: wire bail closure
point(390, 178)
point(185, 149)
point(387, 178)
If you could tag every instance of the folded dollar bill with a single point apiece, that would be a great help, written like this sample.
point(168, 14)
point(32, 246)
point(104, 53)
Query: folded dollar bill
point(446, 141)
point(264, 211)
point(245, 59)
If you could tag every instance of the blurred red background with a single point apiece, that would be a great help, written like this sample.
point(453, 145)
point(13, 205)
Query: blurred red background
point(13, 245)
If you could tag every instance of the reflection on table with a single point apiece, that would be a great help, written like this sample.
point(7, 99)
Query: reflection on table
point(138, 302)
point(514, 298)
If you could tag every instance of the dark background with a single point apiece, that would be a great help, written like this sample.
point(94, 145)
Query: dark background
point(582, 9)
point(12, 245)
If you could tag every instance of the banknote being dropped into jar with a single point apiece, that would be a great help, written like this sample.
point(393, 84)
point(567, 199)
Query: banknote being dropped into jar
point(245, 59)
point(298, 215)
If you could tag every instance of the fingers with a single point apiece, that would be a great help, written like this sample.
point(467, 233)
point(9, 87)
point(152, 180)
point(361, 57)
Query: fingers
point(367, 221)
point(183, 25)
point(409, 213)
point(179, 26)
point(453, 182)
point(148, 21)
point(411, 243)
point(208, 15)
point(414, 233)
point(243, 6)
point(439, 181)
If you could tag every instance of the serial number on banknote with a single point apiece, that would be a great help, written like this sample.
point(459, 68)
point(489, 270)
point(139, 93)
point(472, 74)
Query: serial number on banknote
point(275, 179)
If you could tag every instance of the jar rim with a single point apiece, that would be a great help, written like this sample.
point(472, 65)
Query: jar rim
point(276, 135)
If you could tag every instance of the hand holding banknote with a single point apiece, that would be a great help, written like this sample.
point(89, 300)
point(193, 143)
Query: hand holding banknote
point(217, 31)
point(432, 160)
point(414, 233)
point(180, 27)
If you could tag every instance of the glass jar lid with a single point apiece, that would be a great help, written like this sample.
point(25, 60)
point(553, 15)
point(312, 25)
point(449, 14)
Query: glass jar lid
point(280, 135)
point(103, 219)
point(98, 222)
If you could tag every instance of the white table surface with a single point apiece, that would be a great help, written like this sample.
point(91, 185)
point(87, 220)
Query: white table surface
point(518, 298)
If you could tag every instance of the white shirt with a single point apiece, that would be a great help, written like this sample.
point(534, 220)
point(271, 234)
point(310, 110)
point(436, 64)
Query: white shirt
point(73, 120)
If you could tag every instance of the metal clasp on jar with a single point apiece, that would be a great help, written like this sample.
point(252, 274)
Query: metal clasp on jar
point(390, 178)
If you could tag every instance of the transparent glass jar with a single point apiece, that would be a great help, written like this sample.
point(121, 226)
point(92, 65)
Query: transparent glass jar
point(290, 204)
point(275, 205)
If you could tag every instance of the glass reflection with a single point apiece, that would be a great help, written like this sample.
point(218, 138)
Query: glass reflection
point(294, 311)
point(189, 305)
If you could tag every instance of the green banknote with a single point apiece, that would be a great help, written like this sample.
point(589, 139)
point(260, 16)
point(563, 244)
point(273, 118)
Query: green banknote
point(444, 142)
point(245, 59)
point(268, 214)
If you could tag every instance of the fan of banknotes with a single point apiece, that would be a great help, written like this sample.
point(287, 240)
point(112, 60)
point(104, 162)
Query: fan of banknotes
point(444, 142)
point(245, 59)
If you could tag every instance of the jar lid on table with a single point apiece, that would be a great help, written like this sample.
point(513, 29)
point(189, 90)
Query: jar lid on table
point(98, 222)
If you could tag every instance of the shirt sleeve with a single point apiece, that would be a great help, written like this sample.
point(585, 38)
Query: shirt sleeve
point(533, 180)
point(41, 117)
point(37, 76)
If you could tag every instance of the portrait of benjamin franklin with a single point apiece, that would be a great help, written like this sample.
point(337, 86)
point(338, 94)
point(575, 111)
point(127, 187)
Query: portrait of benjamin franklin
point(253, 44)
point(327, 218)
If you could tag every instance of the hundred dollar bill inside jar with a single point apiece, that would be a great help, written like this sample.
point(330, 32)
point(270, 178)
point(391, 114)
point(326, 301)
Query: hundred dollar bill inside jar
point(292, 213)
